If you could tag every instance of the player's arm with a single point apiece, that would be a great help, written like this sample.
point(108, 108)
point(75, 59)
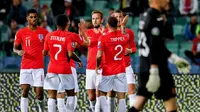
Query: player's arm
point(99, 53)
point(16, 46)
point(17, 50)
point(86, 41)
point(155, 42)
point(82, 33)
point(72, 55)
point(123, 24)
point(132, 46)
point(98, 59)
point(45, 51)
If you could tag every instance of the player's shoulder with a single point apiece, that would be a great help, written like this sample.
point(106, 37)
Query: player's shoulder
point(72, 34)
point(88, 31)
point(128, 30)
point(49, 35)
point(42, 29)
point(21, 30)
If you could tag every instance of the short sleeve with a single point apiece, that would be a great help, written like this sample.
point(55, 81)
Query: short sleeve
point(45, 33)
point(77, 39)
point(17, 38)
point(131, 41)
point(70, 45)
point(46, 47)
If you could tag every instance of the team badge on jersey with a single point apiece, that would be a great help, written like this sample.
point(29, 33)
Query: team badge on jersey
point(127, 35)
point(99, 44)
point(155, 31)
point(40, 36)
point(73, 44)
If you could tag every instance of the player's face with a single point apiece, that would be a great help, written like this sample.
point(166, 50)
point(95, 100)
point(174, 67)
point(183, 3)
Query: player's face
point(32, 19)
point(96, 20)
point(119, 17)
point(163, 4)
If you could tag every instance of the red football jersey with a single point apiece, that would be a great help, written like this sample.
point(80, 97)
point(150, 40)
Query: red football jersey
point(78, 39)
point(32, 43)
point(113, 45)
point(58, 43)
point(92, 48)
point(196, 45)
point(131, 45)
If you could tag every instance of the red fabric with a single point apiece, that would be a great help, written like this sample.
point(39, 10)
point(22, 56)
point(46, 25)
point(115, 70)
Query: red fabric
point(196, 41)
point(187, 5)
point(92, 48)
point(58, 43)
point(131, 45)
point(113, 46)
point(32, 43)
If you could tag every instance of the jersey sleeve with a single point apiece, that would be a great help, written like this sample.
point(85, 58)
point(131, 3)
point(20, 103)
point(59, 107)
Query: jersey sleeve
point(101, 43)
point(155, 42)
point(46, 47)
point(45, 33)
point(70, 44)
point(78, 39)
point(131, 41)
point(17, 38)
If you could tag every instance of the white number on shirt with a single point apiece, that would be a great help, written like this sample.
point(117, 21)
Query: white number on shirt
point(143, 42)
point(28, 42)
point(120, 50)
point(59, 49)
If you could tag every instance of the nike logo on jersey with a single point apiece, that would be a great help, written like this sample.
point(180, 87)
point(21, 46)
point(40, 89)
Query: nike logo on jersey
point(28, 37)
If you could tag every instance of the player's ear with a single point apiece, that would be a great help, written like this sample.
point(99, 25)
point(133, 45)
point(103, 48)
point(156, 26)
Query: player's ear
point(27, 17)
point(102, 20)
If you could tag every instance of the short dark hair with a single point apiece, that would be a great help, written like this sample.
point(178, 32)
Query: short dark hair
point(31, 11)
point(112, 22)
point(98, 12)
point(62, 20)
point(118, 11)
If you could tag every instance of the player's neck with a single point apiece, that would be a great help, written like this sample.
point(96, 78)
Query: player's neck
point(32, 27)
point(155, 6)
point(96, 30)
point(112, 29)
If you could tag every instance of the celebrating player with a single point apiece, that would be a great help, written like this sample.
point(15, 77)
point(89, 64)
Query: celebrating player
point(127, 61)
point(59, 77)
point(32, 66)
point(93, 36)
point(76, 40)
point(112, 46)
point(154, 76)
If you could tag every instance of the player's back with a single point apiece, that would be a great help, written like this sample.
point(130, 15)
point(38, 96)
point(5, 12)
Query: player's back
point(57, 42)
point(114, 44)
point(151, 40)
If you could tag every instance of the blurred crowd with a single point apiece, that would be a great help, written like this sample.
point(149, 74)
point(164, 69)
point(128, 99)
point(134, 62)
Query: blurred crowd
point(13, 17)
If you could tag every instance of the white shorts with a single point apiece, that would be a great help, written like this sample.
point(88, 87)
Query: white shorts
point(116, 83)
point(75, 79)
point(91, 79)
point(130, 75)
point(59, 82)
point(34, 77)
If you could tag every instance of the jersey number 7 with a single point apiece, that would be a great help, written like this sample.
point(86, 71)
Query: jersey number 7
point(59, 50)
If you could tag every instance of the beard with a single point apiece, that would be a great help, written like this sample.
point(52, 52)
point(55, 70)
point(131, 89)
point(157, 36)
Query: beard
point(97, 26)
